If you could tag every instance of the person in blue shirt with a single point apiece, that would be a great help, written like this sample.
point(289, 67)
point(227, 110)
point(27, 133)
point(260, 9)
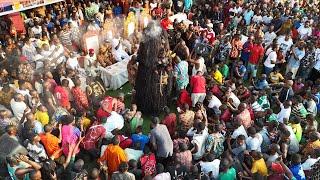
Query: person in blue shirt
point(261, 83)
point(138, 137)
point(239, 70)
point(117, 10)
point(296, 167)
point(247, 15)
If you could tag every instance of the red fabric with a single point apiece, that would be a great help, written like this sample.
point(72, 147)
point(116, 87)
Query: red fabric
point(246, 95)
point(170, 122)
point(210, 36)
point(257, 51)
point(80, 99)
point(294, 33)
point(165, 23)
point(101, 113)
point(62, 96)
point(92, 137)
point(148, 164)
point(277, 168)
point(125, 142)
point(184, 99)
point(17, 22)
point(158, 11)
point(216, 91)
point(106, 108)
point(198, 84)
point(251, 112)
point(226, 116)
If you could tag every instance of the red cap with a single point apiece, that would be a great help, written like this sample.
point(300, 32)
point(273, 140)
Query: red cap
point(91, 50)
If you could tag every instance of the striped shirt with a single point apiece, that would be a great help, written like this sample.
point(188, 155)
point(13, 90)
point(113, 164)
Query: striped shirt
point(65, 37)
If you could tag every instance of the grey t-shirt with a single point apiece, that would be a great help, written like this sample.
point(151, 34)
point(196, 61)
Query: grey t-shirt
point(161, 137)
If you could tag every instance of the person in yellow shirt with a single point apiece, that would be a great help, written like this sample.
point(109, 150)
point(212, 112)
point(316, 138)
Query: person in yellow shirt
point(85, 120)
point(275, 76)
point(113, 156)
point(42, 115)
point(314, 143)
point(259, 167)
point(217, 76)
point(296, 127)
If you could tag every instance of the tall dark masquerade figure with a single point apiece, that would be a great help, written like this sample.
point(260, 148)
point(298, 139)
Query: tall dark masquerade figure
point(155, 76)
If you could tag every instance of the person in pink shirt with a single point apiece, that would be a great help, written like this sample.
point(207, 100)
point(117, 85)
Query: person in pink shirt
point(244, 117)
point(70, 133)
point(198, 88)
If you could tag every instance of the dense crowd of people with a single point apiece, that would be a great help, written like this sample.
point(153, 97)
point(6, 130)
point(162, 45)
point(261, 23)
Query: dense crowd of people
point(246, 93)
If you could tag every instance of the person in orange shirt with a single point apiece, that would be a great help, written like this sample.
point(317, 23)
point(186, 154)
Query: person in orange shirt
point(113, 156)
point(51, 142)
point(314, 143)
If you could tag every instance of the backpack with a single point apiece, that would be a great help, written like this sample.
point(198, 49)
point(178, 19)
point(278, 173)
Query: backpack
point(148, 164)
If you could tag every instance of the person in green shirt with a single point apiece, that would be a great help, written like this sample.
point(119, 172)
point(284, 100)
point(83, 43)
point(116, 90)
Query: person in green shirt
point(226, 171)
point(224, 69)
point(136, 121)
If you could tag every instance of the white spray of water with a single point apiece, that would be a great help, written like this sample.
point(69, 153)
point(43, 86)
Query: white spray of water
point(152, 30)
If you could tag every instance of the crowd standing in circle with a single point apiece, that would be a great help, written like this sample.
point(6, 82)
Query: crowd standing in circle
point(247, 92)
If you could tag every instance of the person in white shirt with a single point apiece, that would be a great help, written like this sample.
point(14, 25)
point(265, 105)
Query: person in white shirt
point(198, 65)
point(90, 63)
point(198, 141)
point(28, 50)
point(311, 104)
point(271, 59)
point(18, 105)
point(118, 52)
point(315, 72)
point(267, 18)
point(58, 51)
point(161, 174)
point(236, 9)
point(114, 121)
point(134, 153)
point(211, 165)
point(257, 19)
point(269, 36)
point(285, 43)
point(285, 111)
point(305, 30)
point(72, 62)
point(36, 30)
point(315, 157)
point(235, 100)
point(254, 140)
point(240, 130)
point(214, 103)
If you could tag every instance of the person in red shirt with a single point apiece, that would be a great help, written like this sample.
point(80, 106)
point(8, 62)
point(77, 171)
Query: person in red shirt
point(184, 98)
point(209, 34)
point(157, 12)
point(166, 23)
point(170, 120)
point(92, 137)
point(256, 55)
point(106, 107)
point(198, 87)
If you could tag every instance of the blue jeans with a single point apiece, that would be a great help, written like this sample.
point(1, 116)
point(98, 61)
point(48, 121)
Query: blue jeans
point(267, 70)
point(252, 69)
